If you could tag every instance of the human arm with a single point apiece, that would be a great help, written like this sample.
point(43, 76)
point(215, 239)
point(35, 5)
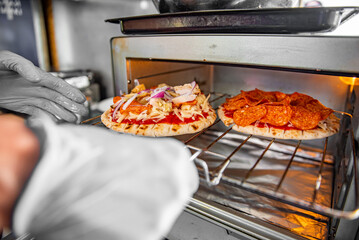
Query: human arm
point(19, 152)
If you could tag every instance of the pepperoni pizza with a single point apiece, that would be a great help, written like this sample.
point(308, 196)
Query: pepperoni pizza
point(279, 115)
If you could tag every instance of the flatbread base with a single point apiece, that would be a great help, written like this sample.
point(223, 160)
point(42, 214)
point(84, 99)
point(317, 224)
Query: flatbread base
point(161, 129)
point(325, 128)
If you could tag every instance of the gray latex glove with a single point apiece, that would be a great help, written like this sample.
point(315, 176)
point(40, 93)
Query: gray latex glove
point(27, 89)
point(93, 184)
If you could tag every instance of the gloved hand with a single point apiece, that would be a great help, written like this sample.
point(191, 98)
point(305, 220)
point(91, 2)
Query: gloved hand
point(28, 89)
point(92, 183)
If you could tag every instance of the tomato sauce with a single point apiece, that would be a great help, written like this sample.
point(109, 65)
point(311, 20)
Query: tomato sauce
point(169, 119)
point(285, 127)
point(229, 114)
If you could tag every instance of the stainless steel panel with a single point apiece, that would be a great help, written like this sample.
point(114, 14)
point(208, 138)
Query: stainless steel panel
point(312, 53)
point(152, 73)
point(329, 90)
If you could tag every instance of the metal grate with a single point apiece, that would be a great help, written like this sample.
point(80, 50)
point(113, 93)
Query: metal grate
point(215, 176)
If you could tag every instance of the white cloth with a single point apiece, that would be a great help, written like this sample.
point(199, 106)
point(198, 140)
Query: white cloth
point(92, 183)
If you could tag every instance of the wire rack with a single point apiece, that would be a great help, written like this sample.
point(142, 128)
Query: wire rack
point(214, 176)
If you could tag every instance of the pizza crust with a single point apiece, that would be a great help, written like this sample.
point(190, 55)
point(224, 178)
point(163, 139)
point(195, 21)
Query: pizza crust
point(161, 129)
point(325, 128)
point(226, 120)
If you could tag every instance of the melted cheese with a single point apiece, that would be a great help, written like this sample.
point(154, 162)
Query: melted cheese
point(160, 109)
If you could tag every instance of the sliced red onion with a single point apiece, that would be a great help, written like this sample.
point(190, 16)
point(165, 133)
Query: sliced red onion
point(159, 92)
point(193, 84)
point(129, 101)
point(165, 88)
point(171, 89)
point(146, 90)
point(119, 103)
point(183, 98)
point(159, 95)
point(187, 90)
point(116, 103)
point(168, 96)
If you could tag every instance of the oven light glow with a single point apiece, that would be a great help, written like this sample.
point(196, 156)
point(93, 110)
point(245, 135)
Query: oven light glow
point(349, 80)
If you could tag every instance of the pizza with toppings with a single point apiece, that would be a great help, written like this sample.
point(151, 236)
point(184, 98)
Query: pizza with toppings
point(160, 111)
point(279, 115)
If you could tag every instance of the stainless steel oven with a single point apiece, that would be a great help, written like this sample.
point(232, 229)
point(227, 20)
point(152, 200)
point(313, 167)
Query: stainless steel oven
point(255, 187)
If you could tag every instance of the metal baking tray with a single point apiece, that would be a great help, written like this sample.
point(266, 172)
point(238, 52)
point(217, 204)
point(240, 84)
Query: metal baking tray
point(271, 21)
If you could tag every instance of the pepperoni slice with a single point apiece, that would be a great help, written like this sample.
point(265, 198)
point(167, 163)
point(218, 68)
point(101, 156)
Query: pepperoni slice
point(299, 99)
point(277, 115)
point(254, 97)
point(269, 96)
point(281, 96)
point(247, 115)
point(235, 98)
point(277, 109)
point(235, 105)
point(257, 96)
point(304, 119)
point(324, 114)
point(316, 106)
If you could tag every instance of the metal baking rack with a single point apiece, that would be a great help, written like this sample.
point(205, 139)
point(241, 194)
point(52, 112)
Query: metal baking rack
point(215, 176)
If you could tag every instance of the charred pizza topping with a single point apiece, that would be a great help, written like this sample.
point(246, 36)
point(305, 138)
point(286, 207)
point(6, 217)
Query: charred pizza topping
point(276, 109)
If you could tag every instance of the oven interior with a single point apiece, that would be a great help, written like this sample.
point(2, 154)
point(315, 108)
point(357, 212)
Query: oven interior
point(261, 187)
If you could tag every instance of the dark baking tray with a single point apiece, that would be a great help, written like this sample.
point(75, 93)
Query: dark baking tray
point(279, 20)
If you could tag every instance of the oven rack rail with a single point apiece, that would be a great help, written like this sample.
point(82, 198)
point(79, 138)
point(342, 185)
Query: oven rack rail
point(214, 177)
